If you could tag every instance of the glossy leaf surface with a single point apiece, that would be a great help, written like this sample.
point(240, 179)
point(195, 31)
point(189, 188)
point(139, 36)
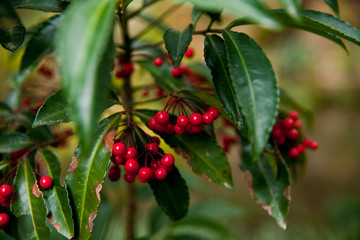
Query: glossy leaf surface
point(13, 141)
point(41, 5)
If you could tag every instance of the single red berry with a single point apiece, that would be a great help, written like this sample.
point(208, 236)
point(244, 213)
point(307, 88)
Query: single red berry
point(294, 152)
point(118, 159)
point(195, 119)
point(46, 182)
point(162, 117)
point(131, 153)
point(176, 72)
point(167, 160)
point(160, 128)
point(114, 173)
point(158, 62)
point(160, 173)
point(307, 142)
point(183, 69)
point(145, 93)
point(294, 115)
point(129, 177)
point(153, 165)
point(189, 52)
point(189, 129)
point(197, 129)
point(6, 203)
point(119, 148)
point(281, 140)
point(301, 148)
point(128, 68)
point(314, 145)
point(145, 173)
point(207, 119)
point(276, 133)
point(298, 123)
point(131, 166)
point(120, 74)
point(292, 134)
point(155, 139)
point(152, 123)
point(2, 199)
point(142, 180)
point(288, 123)
point(152, 147)
point(182, 121)
point(214, 112)
point(178, 130)
point(6, 191)
point(169, 129)
point(4, 219)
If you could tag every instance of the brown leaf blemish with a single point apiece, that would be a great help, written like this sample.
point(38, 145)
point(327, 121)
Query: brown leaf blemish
point(56, 226)
point(36, 190)
point(267, 208)
point(73, 164)
point(109, 140)
point(97, 192)
point(248, 180)
point(185, 155)
point(287, 195)
point(41, 165)
point(91, 220)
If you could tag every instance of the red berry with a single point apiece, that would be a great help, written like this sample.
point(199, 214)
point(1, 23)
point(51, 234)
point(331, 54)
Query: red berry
point(120, 74)
point(281, 140)
point(158, 62)
point(167, 160)
point(129, 177)
point(189, 52)
point(292, 134)
point(131, 166)
point(118, 159)
point(276, 133)
point(145, 93)
point(4, 220)
point(119, 148)
point(214, 112)
point(307, 143)
point(145, 173)
point(294, 152)
point(178, 130)
point(298, 124)
point(294, 115)
point(152, 147)
point(208, 119)
point(6, 203)
point(46, 182)
point(182, 121)
point(162, 117)
point(183, 69)
point(314, 145)
point(195, 119)
point(128, 68)
point(169, 129)
point(288, 123)
point(142, 180)
point(6, 191)
point(160, 173)
point(131, 153)
point(156, 140)
point(189, 129)
point(301, 148)
point(197, 129)
point(176, 72)
point(152, 123)
point(153, 165)
point(114, 173)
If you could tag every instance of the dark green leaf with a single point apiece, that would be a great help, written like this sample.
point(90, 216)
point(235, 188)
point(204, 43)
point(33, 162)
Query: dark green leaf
point(41, 5)
point(201, 150)
point(54, 110)
point(57, 196)
point(126, 3)
point(4, 236)
point(256, 11)
point(12, 32)
point(162, 76)
point(293, 8)
point(172, 195)
point(29, 200)
point(85, 50)
point(216, 60)
point(13, 141)
point(272, 191)
point(196, 14)
point(334, 5)
point(177, 42)
point(5, 111)
point(39, 45)
point(86, 175)
point(255, 85)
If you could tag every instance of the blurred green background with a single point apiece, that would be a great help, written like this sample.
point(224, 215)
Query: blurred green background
point(325, 200)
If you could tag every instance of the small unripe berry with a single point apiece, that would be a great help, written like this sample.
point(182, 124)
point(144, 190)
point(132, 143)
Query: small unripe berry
point(46, 182)
point(176, 72)
point(208, 119)
point(6, 191)
point(182, 121)
point(131, 166)
point(114, 173)
point(158, 62)
point(160, 173)
point(162, 117)
point(119, 148)
point(195, 119)
point(4, 219)
point(131, 153)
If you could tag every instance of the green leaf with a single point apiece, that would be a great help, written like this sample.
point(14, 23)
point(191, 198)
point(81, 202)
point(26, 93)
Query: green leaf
point(177, 42)
point(333, 4)
point(172, 195)
point(270, 190)
point(13, 141)
point(57, 196)
point(29, 200)
point(85, 50)
point(12, 32)
point(162, 76)
point(86, 175)
point(5, 111)
point(292, 7)
point(54, 110)
point(255, 85)
point(41, 5)
point(216, 60)
point(39, 45)
point(201, 150)
point(256, 11)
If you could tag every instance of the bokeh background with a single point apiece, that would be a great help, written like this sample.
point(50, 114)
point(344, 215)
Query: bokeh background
point(320, 75)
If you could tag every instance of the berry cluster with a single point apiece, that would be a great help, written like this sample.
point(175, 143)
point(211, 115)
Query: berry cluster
point(150, 164)
point(5, 200)
point(189, 121)
point(287, 133)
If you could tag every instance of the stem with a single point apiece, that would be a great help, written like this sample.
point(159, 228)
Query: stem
point(203, 32)
point(130, 211)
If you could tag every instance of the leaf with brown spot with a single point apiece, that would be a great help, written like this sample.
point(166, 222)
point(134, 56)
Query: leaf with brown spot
point(40, 165)
point(109, 140)
point(270, 189)
point(97, 191)
point(73, 164)
point(91, 220)
point(36, 190)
